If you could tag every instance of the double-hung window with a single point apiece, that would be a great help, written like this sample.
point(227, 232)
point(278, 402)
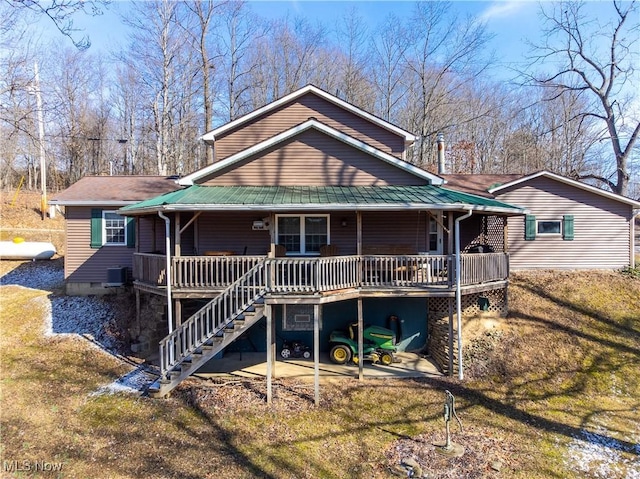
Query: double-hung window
point(115, 228)
point(108, 228)
point(303, 234)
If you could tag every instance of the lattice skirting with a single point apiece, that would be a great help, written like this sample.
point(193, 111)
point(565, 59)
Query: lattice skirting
point(489, 302)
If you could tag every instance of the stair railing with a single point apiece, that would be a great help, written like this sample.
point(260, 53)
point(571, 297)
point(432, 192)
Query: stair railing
point(212, 318)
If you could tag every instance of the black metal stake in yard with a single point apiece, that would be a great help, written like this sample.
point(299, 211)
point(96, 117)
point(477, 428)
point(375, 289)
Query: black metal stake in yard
point(450, 448)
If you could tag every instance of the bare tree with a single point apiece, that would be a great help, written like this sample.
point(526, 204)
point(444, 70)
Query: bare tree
point(61, 13)
point(352, 36)
point(604, 75)
point(389, 47)
point(200, 35)
point(445, 54)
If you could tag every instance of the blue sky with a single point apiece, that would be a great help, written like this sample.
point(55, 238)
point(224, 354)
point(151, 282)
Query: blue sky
point(511, 21)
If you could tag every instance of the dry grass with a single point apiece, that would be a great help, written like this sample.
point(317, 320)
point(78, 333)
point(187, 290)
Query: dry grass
point(566, 360)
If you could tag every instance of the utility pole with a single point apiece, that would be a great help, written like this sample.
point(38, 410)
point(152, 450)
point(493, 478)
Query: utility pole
point(43, 165)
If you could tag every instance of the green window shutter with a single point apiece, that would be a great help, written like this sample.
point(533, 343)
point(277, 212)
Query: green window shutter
point(567, 227)
point(131, 232)
point(96, 228)
point(530, 227)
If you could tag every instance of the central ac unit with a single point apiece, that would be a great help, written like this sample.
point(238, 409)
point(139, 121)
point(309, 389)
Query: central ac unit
point(116, 276)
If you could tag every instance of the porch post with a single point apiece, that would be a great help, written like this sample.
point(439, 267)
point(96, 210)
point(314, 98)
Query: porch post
point(450, 236)
point(137, 221)
point(268, 313)
point(178, 250)
point(360, 341)
point(359, 232)
point(359, 246)
point(316, 352)
point(505, 234)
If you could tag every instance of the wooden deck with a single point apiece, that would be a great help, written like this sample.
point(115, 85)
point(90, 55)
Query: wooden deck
point(206, 276)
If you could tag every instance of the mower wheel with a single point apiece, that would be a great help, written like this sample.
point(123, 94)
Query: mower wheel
point(340, 354)
point(285, 353)
point(306, 355)
point(386, 359)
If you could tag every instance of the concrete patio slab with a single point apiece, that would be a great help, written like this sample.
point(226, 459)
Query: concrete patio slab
point(253, 365)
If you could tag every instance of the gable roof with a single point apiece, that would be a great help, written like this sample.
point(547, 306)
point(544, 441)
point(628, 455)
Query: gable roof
point(316, 198)
point(568, 181)
point(114, 190)
point(290, 133)
point(211, 136)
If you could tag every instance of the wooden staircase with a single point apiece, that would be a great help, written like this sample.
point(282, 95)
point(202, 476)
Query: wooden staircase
point(211, 329)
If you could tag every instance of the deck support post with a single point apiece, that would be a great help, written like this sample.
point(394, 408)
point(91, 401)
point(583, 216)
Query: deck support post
point(316, 352)
point(178, 312)
point(360, 341)
point(138, 312)
point(270, 351)
point(450, 303)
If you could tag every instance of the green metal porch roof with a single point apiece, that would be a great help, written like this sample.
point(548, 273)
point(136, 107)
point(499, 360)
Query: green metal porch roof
point(292, 198)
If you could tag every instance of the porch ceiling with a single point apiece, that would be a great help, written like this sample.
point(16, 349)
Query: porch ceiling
point(288, 198)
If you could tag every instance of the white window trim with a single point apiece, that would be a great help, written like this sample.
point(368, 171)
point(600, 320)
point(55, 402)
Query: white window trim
point(548, 220)
point(104, 229)
point(303, 251)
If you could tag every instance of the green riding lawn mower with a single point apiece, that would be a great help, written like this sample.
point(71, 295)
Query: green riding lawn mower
point(378, 345)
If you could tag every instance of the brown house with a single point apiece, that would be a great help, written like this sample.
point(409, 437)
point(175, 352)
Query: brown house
point(308, 219)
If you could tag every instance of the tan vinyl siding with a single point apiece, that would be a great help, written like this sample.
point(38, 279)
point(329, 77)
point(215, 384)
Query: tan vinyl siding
point(601, 228)
point(299, 111)
point(313, 159)
point(84, 264)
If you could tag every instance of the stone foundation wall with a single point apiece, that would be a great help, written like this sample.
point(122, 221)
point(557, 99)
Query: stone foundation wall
point(147, 331)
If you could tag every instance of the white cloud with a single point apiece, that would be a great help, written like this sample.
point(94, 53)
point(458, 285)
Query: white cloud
point(503, 9)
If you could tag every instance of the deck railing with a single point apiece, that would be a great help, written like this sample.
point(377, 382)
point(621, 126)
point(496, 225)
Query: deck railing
point(150, 269)
point(210, 271)
point(308, 275)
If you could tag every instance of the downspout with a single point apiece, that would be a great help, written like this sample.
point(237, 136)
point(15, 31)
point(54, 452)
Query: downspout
point(458, 294)
point(167, 237)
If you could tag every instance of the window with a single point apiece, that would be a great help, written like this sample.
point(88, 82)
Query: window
point(114, 228)
point(108, 228)
point(549, 227)
point(299, 317)
point(534, 227)
point(303, 234)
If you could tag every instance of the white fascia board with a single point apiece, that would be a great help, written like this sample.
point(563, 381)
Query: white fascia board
point(568, 181)
point(285, 135)
point(211, 136)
